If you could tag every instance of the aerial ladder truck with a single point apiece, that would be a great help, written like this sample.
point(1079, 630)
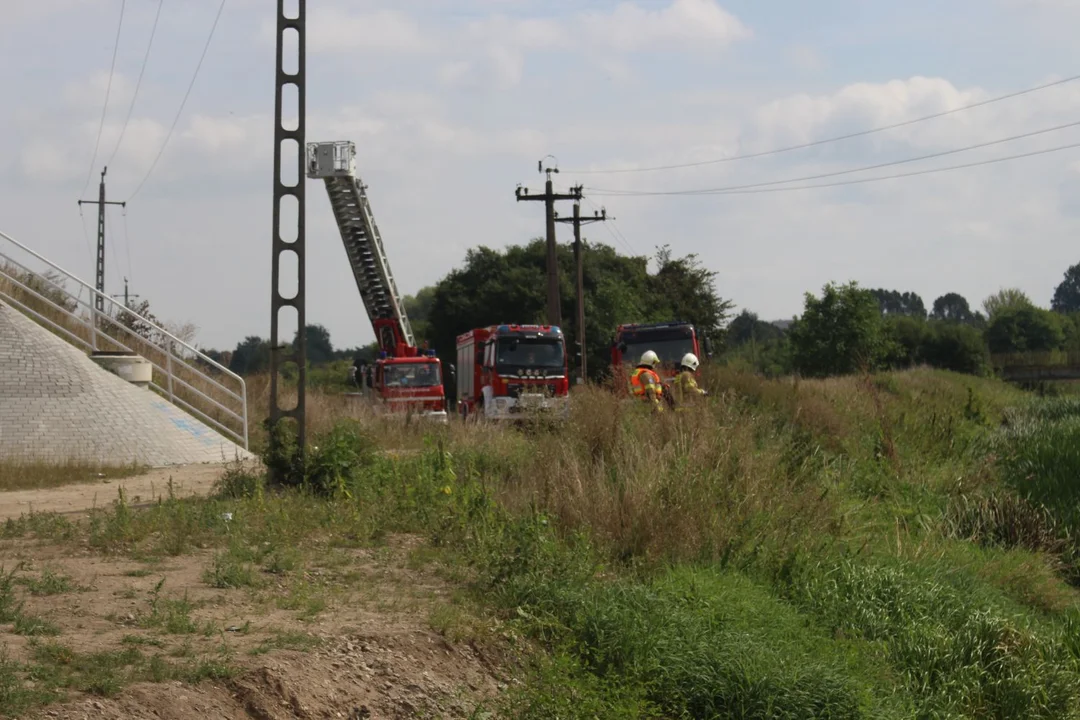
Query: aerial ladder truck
point(404, 377)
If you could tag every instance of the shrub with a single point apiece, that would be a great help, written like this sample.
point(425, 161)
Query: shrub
point(840, 333)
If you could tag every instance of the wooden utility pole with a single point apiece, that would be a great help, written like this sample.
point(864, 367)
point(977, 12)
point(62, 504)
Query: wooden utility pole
point(554, 306)
point(99, 299)
point(578, 221)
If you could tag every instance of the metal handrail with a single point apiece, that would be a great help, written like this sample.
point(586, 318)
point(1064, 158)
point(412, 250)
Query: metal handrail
point(167, 348)
point(172, 378)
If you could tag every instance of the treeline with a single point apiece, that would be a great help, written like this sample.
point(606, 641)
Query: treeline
point(509, 286)
point(845, 329)
point(252, 354)
point(849, 328)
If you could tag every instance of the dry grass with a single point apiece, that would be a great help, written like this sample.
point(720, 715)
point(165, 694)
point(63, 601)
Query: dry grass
point(44, 474)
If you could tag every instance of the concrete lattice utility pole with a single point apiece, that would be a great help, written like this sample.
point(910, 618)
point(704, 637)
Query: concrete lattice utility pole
point(101, 202)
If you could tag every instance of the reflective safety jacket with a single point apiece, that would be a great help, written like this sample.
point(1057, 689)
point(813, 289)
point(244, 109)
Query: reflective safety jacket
point(646, 384)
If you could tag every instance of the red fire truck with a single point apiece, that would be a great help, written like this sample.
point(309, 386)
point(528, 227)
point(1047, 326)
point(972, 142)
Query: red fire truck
point(670, 340)
point(404, 377)
point(509, 372)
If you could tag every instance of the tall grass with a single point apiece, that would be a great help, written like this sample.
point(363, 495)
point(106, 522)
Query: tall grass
point(793, 549)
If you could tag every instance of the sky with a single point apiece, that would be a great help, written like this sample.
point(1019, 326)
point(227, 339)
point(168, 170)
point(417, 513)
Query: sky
point(451, 103)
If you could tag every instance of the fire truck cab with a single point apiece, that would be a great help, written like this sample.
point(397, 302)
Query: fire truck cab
point(410, 384)
point(670, 340)
point(509, 372)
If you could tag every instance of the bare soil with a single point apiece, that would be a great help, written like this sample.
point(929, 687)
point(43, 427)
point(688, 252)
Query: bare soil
point(350, 636)
point(146, 488)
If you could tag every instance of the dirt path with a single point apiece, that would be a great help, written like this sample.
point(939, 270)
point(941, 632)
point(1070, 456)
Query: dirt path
point(187, 480)
point(368, 651)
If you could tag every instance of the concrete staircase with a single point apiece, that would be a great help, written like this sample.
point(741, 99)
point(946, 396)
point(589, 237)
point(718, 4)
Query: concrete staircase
point(54, 352)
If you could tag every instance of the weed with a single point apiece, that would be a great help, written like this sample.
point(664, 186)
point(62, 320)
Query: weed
point(10, 607)
point(49, 582)
point(286, 640)
point(141, 640)
point(173, 615)
point(239, 481)
point(227, 571)
point(34, 626)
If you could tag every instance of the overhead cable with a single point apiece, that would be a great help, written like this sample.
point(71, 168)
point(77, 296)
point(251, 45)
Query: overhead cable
point(838, 138)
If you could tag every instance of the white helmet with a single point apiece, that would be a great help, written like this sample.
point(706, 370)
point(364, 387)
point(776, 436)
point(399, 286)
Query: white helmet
point(649, 358)
point(690, 360)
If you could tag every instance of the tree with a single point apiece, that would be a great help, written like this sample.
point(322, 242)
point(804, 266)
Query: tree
point(908, 338)
point(1005, 298)
point(139, 320)
point(955, 347)
point(319, 348)
point(840, 333)
point(1067, 294)
point(252, 355)
point(746, 327)
point(503, 286)
point(1024, 328)
point(953, 307)
point(418, 308)
point(892, 302)
point(682, 289)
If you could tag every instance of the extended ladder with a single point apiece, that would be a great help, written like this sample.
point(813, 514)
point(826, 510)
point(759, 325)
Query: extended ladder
point(335, 163)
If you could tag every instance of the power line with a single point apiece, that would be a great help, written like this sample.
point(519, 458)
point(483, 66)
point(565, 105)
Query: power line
point(928, 171)
point(849, 171)
point(108, 90)
point(838, 138)
point(183, 102)
point(138, 83)
point(619, 237)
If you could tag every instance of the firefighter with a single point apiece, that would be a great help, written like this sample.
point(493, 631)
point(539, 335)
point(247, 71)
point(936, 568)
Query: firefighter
point(645, 383)
point(685, 387)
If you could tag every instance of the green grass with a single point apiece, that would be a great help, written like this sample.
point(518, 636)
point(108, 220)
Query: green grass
point(287, 640)
point(49, 582)
point(55, 668)
point(897, 545)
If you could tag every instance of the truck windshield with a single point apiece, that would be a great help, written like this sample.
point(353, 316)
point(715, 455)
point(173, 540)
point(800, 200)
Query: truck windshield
point(670, 350)
point(412, 375)
point(529, 353)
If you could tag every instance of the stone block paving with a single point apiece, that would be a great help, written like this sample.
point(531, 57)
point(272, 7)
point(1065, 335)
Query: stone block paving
point(56, 404)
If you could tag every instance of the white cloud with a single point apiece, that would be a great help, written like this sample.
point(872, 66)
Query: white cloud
point(90, 93)
point(685, 24)
point(806, 58)
point(334, 29)
point(804, 118)
point(493, 51)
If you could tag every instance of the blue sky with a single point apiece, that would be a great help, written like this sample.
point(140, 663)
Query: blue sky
point(451, 103)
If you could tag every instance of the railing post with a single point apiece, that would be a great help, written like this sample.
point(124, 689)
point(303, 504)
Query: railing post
point(169, 372)
point(93, 327)
point(243, 394)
